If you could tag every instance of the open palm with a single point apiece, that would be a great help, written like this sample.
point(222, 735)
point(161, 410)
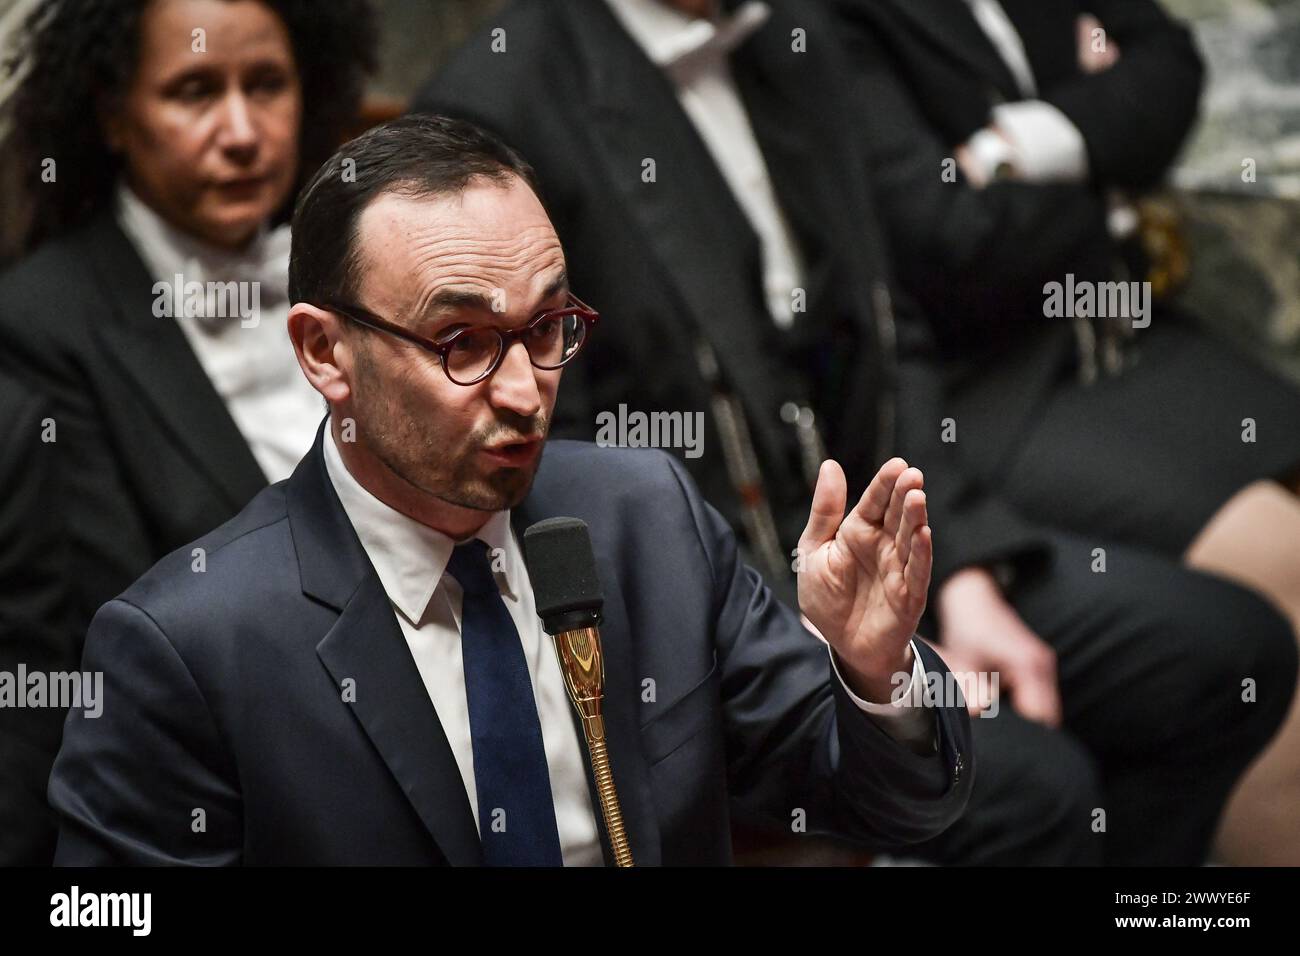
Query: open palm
point(863, 576)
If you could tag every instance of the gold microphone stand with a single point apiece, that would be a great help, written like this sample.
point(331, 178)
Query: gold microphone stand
point(584, 676)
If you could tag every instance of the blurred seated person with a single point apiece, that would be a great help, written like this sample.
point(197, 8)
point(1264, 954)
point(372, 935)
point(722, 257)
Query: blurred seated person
point(162, 142)
point(1126, 423)
point(742, 276)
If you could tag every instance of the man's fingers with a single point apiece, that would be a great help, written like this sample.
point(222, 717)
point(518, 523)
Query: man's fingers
point(913, 517)
point(1036, 698)
point(1034, 690)
point(910, 479)
point(871, 506)
point(960, 662)
point(919, 562)
point(827, 507)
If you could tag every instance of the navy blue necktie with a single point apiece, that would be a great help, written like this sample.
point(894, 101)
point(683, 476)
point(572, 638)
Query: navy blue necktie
point(515, 810)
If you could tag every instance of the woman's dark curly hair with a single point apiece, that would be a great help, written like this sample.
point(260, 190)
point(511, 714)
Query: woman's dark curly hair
point(80, 53)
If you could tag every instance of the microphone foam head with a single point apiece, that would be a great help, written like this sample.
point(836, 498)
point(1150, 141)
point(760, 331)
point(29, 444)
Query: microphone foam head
point(563, 572)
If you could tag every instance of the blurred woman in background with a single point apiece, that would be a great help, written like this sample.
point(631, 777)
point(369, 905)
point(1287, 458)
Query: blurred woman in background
point(161, 143)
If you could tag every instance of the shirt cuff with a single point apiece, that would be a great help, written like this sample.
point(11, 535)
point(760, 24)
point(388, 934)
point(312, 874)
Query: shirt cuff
point(905, 717)
point(991, 154)
point(1048, 147)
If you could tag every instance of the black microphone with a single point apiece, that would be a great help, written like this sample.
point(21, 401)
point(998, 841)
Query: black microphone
point(566, 590)
point(563, 571)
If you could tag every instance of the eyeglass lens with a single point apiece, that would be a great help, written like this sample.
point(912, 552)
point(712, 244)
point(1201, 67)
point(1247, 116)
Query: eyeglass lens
point(550, 343)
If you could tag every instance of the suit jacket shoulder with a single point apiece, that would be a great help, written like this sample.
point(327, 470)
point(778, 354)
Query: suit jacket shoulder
point(237, 566)
point(48, 298)
point(533, 38)
point(252, 558)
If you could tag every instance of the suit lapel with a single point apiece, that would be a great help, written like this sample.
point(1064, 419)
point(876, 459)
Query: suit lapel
point(366, 645)
point(1048, 31)
point(622, 690)
point(811, 168)
point(393, 707)
point(157, 358)
point(770, 79)
point(715, 263)
point(951, 24)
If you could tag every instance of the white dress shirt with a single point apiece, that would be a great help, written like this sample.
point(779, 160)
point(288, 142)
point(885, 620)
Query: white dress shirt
point(693, 53)
point(251, 366)
point(1037, 139)
point(411, 561)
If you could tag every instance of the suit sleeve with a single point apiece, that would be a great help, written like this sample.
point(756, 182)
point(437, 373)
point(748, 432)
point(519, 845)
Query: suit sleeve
point(147, 782)
point(1135, 116)
point(33, 626)
point(796, 740)
point(997, 245)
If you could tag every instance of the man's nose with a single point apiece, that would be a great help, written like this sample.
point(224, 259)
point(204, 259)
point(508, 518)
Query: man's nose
point(514, 384)
point(238, 132)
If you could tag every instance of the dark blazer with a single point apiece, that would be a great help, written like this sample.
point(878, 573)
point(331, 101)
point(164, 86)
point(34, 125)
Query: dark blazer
point(957, 75)
point(222, 693)
point(33, 631)
point(674, 261)
point(977, 259)
point(149, 456)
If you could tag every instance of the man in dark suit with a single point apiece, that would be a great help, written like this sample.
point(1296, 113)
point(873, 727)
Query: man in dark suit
point(691, 166)
point(280, 691)
point(33, 624)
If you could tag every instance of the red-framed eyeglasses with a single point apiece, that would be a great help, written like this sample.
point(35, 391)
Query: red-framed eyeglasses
point(470, 353)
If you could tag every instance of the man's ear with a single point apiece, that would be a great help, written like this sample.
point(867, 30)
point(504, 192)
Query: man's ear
point(323, 354)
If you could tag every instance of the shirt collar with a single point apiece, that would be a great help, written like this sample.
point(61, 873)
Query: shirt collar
point(409, 557)
point(670, 38)
point(168, 251)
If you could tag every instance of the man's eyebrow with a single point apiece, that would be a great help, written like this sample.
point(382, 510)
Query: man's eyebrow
point(557, 285)
point(446, 303)
point(453, 300)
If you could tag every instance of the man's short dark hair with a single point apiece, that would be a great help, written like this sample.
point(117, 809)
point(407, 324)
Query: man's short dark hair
point(419, 156)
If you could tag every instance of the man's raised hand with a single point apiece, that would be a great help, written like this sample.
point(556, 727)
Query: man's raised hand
point(863, 576)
